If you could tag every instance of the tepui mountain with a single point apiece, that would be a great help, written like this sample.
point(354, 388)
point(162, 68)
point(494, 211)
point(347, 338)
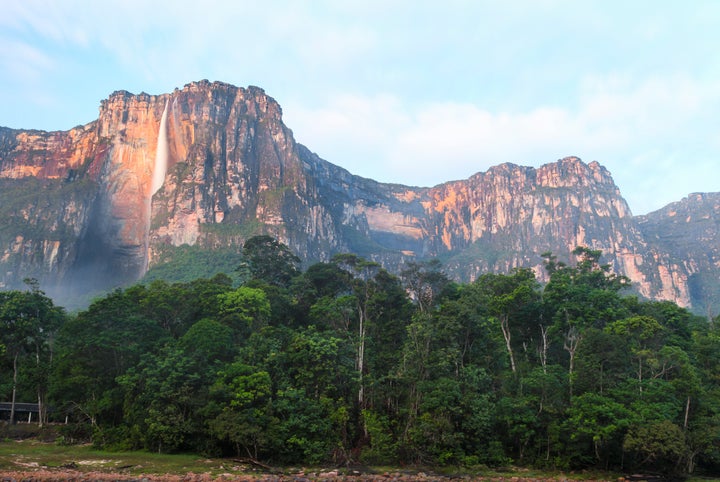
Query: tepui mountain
point(211, 164)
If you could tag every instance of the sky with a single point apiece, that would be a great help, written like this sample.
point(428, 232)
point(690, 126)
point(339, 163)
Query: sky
point(407, 91)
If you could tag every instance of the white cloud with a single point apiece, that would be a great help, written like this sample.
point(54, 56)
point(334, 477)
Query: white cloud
point(632, 127)
point(353, 131)
point(24, 61)
point(455, 140)
point(653, 106)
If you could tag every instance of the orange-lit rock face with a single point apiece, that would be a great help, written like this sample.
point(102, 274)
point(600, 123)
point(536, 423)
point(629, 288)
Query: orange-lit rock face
point(130, 125)
point(545, 202)
point(233, 170)
point(231, 160)
point(225, 147)
point(49, 155)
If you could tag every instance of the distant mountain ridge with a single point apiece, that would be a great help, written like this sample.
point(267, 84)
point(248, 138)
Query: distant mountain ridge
point(79, 209)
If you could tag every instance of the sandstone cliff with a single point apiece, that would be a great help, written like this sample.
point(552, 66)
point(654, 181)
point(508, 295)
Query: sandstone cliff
point(689, 232)
point(212, 164)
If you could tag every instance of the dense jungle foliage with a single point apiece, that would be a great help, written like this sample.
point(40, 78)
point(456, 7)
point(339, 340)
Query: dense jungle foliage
point(346, 363)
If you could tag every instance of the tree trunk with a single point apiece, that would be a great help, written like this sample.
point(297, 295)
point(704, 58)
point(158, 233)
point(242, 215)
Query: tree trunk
point(544, 348)
point(14, 390)
point(42, 415)
point(361, 358)
point(692, 455)
point(572, 340)
point(41, 409)
point(505, 327)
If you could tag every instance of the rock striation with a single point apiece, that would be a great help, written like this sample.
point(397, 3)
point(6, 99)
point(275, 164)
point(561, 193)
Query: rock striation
point(212, 164)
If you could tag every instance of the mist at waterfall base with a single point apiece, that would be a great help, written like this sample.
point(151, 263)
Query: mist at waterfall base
point(104, 265)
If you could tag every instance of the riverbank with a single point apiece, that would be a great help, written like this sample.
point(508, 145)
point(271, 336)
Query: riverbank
point(32, 460)
point(44, 475)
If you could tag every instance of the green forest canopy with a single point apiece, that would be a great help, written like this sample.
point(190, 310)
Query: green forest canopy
point(346, 363)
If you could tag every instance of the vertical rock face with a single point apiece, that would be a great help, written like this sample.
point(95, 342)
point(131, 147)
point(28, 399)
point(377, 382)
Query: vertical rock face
point(510, 215)
point(47, 188)
point(234, 168)
point(688, 232)
point(212, 164)
point(114, 243)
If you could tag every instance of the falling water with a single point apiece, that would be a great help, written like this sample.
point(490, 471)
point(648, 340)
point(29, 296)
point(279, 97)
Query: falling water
point(161, 154)
point(158, 178)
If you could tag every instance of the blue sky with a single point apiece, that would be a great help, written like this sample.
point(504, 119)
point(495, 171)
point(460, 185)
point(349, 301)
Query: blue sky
point(414, 92)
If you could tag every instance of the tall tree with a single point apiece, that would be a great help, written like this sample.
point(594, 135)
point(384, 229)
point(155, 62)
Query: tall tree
point(425, 282)
point(163, 397)
point(28, 321)
point(246, 419)
point(508, 297)
point(97, 346)
point(269, 260)
point(363, 272)
point(244, 309)
point(579, 297)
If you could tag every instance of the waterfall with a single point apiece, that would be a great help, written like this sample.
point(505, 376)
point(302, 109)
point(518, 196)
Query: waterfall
point(158, 178)
point(161, 154)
